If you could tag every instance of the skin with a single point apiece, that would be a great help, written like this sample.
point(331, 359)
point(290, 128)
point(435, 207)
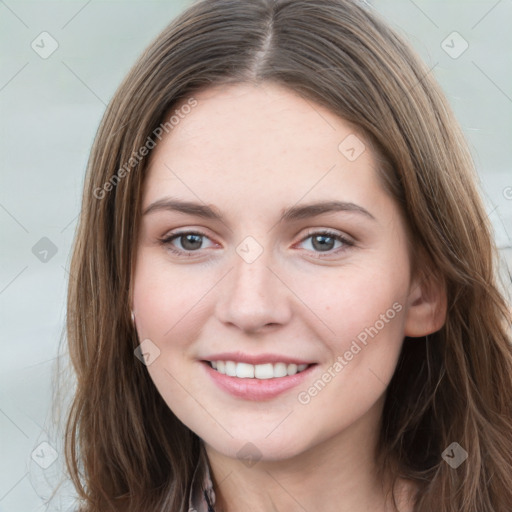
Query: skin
point(250, 152)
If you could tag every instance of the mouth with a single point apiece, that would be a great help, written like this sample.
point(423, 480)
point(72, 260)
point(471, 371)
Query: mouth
point(257, 378)
point(263, 371)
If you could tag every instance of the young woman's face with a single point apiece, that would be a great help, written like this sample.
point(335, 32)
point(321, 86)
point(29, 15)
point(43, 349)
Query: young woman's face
point(272, 275)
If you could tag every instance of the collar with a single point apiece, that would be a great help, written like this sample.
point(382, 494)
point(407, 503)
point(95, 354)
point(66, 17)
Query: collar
point(202, 496)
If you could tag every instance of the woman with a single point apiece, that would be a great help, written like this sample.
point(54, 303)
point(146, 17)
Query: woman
point(284, 292)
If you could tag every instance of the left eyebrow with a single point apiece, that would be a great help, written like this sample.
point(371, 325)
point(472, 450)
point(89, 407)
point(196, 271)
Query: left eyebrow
point(289, 214)
point(316, 209)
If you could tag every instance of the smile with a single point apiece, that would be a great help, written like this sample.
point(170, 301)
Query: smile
point(257, 371)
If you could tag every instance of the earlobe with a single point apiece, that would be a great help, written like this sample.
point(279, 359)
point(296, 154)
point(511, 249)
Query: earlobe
point(426, 306)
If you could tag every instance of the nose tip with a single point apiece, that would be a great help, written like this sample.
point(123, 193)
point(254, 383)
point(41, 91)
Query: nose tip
point(253, 297)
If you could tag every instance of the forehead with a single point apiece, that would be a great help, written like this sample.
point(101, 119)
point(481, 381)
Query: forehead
point(263, 140)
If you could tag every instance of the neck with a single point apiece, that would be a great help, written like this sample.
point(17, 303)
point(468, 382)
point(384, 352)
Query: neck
point(337, 475)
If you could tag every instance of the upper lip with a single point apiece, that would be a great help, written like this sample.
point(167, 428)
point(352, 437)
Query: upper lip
point(239, 357)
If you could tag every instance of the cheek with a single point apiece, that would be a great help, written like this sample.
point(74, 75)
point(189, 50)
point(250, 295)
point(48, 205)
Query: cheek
point(166, 298)
point(355, 297)
point(167, 304)
point(363, 359)
point(362, 313)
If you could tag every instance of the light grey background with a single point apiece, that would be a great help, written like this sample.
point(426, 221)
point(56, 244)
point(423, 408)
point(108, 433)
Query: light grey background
point(50, 110)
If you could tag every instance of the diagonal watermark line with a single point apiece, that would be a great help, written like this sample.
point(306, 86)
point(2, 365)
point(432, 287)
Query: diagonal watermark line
point(274, 507)
point(3, 3)
point(224, 479)
point(219, 483)
point(312, 106)
point(198, 402)
point(486, 14)
point(300, 299)
point(285, 490)
point(83, 83)
point(492, 81)
point(420, 80)
point(76, 14)
point(40, 363)
point(122, 126)
point(13, 217)
point(306, 193)
point(68, 272)
point(276, 427)
point(424, 13)
point(206, 293)
point(43, 507)
point(43, 430)
point(13, 423)
point(492, 211)
point(12, 488)
point(12, 280)
point(14, 76)
point(378, 378)
point(69, 223)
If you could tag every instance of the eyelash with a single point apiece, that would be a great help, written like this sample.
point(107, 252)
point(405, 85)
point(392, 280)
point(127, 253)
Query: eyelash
point(347, 243)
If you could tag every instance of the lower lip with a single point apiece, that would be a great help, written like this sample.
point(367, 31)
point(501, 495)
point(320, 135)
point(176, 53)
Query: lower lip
point(256, 389)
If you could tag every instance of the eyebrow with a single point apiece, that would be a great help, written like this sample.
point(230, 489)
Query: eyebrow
point(289, 214)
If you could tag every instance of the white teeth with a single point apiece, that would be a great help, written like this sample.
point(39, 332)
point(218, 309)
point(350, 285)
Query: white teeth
point(245, 371)
point(280, 370)
point(292, 369)
point(258, 371)
point(231, 368)
point(264, 371)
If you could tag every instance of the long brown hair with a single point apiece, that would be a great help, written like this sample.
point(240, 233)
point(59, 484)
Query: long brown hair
point(125, 449)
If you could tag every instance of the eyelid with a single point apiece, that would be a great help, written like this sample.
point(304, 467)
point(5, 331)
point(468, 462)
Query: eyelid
point(346, 240)
point(168, 238)
point(329, 232)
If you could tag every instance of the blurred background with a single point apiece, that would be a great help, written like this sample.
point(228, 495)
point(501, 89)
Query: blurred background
point(61, 63)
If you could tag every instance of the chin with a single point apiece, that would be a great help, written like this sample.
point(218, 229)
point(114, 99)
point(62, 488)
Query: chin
point(251, 447)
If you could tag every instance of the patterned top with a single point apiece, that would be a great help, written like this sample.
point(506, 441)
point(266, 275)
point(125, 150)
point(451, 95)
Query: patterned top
point(202, 496)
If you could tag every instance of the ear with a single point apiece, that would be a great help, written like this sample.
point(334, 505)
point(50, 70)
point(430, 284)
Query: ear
point(426, 306)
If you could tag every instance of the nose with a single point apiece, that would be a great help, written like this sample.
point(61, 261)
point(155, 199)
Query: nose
point(254, 296)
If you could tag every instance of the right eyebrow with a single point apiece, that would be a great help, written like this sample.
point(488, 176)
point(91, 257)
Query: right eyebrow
point(188, 207)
